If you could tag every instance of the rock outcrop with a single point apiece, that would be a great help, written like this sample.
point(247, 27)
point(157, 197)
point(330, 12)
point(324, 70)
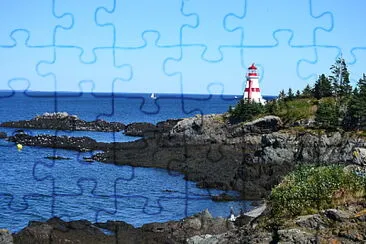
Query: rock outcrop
point(82, 144)
point(149, 129)
point(56, 230)
point(5, 237)
point(249, 157)
point(328, 226)
point(342, 226)
point(140, 129)
point(64, 121)
point(239, 157)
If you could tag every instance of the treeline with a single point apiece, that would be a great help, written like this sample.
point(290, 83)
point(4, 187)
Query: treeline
point(336, 103)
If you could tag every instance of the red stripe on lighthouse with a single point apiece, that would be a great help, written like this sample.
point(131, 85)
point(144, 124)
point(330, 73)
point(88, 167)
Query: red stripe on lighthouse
point(253, 89)
point(250, 90)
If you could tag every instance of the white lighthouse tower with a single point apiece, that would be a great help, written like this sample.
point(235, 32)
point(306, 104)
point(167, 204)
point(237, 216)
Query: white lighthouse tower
point(252, 91)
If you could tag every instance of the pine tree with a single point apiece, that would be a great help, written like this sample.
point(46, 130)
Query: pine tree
point(340, 79)
point(356, 113)
point(245, 111)
point(327, 114)
point(298, 94)
point(307, 92)
point(290, 94)
point(282, 94)
point(322, 87)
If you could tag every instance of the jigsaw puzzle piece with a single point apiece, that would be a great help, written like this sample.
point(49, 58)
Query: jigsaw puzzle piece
point(37, 17)
point(342, 34)
point(153, 58)
point(73, 166)
point(272, 74)
point(210, 31)
point(128, 209)
point(357, 68)
point(19, 62)
point(219, 73)
point(144, 206)
point(21, 194)
point(84, 33)
point(69, 71)
point(37, 206)
point(87, 202)
point(325, 56)
point(259, 19)
point(163, 17)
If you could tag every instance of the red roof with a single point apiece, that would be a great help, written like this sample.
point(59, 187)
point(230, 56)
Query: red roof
point(252, 67)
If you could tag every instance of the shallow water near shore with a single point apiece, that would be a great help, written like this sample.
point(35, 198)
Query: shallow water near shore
point(36, 188)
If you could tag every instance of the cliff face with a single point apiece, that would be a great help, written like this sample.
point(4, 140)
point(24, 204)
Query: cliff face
point(249, 157)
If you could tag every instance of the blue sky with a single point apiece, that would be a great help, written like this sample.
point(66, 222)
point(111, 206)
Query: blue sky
point(175, 46)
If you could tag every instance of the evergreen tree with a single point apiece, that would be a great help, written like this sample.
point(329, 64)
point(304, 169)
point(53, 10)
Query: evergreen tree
point(282, 94)
point(322, 87)
point(340, 79)
point(245, 111)
point(272, 107)
point(298, 94)
point(356, 113)
point(327, 114)
point(307, 92)
point(290, 94)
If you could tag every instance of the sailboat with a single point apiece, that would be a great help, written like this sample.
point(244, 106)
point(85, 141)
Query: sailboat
point(153, 96)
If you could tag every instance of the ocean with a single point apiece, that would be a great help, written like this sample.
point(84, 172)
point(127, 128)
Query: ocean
point(34, 188)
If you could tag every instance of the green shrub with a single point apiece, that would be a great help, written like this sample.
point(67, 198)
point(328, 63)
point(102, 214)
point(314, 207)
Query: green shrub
point(312, 188)
point(293, 110)
point(245, 111)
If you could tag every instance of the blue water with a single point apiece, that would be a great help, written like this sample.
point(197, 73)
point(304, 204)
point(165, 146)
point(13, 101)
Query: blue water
point(35, 188)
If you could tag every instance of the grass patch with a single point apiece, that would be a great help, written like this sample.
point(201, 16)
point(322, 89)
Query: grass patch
point(310, 189)
point(294, 110)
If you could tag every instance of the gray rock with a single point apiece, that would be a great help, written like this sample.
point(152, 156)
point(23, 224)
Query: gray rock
point(337, 215)
point(311, 221)
point(140, 129)
point(359, 155)
point(64, 121)
point(6, 237)
point(296, 236)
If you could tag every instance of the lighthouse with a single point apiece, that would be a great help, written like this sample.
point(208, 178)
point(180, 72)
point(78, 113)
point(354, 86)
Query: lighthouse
point(252, 91)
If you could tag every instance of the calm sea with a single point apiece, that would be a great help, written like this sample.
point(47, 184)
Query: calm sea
point(35, 188)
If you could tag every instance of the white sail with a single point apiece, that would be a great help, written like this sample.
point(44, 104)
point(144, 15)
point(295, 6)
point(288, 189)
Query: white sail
point(153, 96)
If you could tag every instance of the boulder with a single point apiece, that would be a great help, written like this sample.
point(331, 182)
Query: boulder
point(296, 236)
point(313, 221)
point(5, 237)
point(337, 215)
point(264, 125)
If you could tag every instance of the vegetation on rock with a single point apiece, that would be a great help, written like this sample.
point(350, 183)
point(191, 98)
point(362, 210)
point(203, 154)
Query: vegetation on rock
point(311, 188)
point(330, 103)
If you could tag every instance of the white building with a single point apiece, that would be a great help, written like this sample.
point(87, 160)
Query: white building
point(252, 91)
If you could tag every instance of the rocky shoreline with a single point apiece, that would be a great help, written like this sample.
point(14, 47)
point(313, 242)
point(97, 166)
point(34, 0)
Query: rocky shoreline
point(248, 157)
point(255, 155)
point(327, 226)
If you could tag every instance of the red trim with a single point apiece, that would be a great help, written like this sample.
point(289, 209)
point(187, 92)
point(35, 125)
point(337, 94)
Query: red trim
point(252, 74)
point(253, 89)
point(252, 67)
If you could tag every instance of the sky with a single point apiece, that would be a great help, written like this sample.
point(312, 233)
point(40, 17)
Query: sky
point(176, 46)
